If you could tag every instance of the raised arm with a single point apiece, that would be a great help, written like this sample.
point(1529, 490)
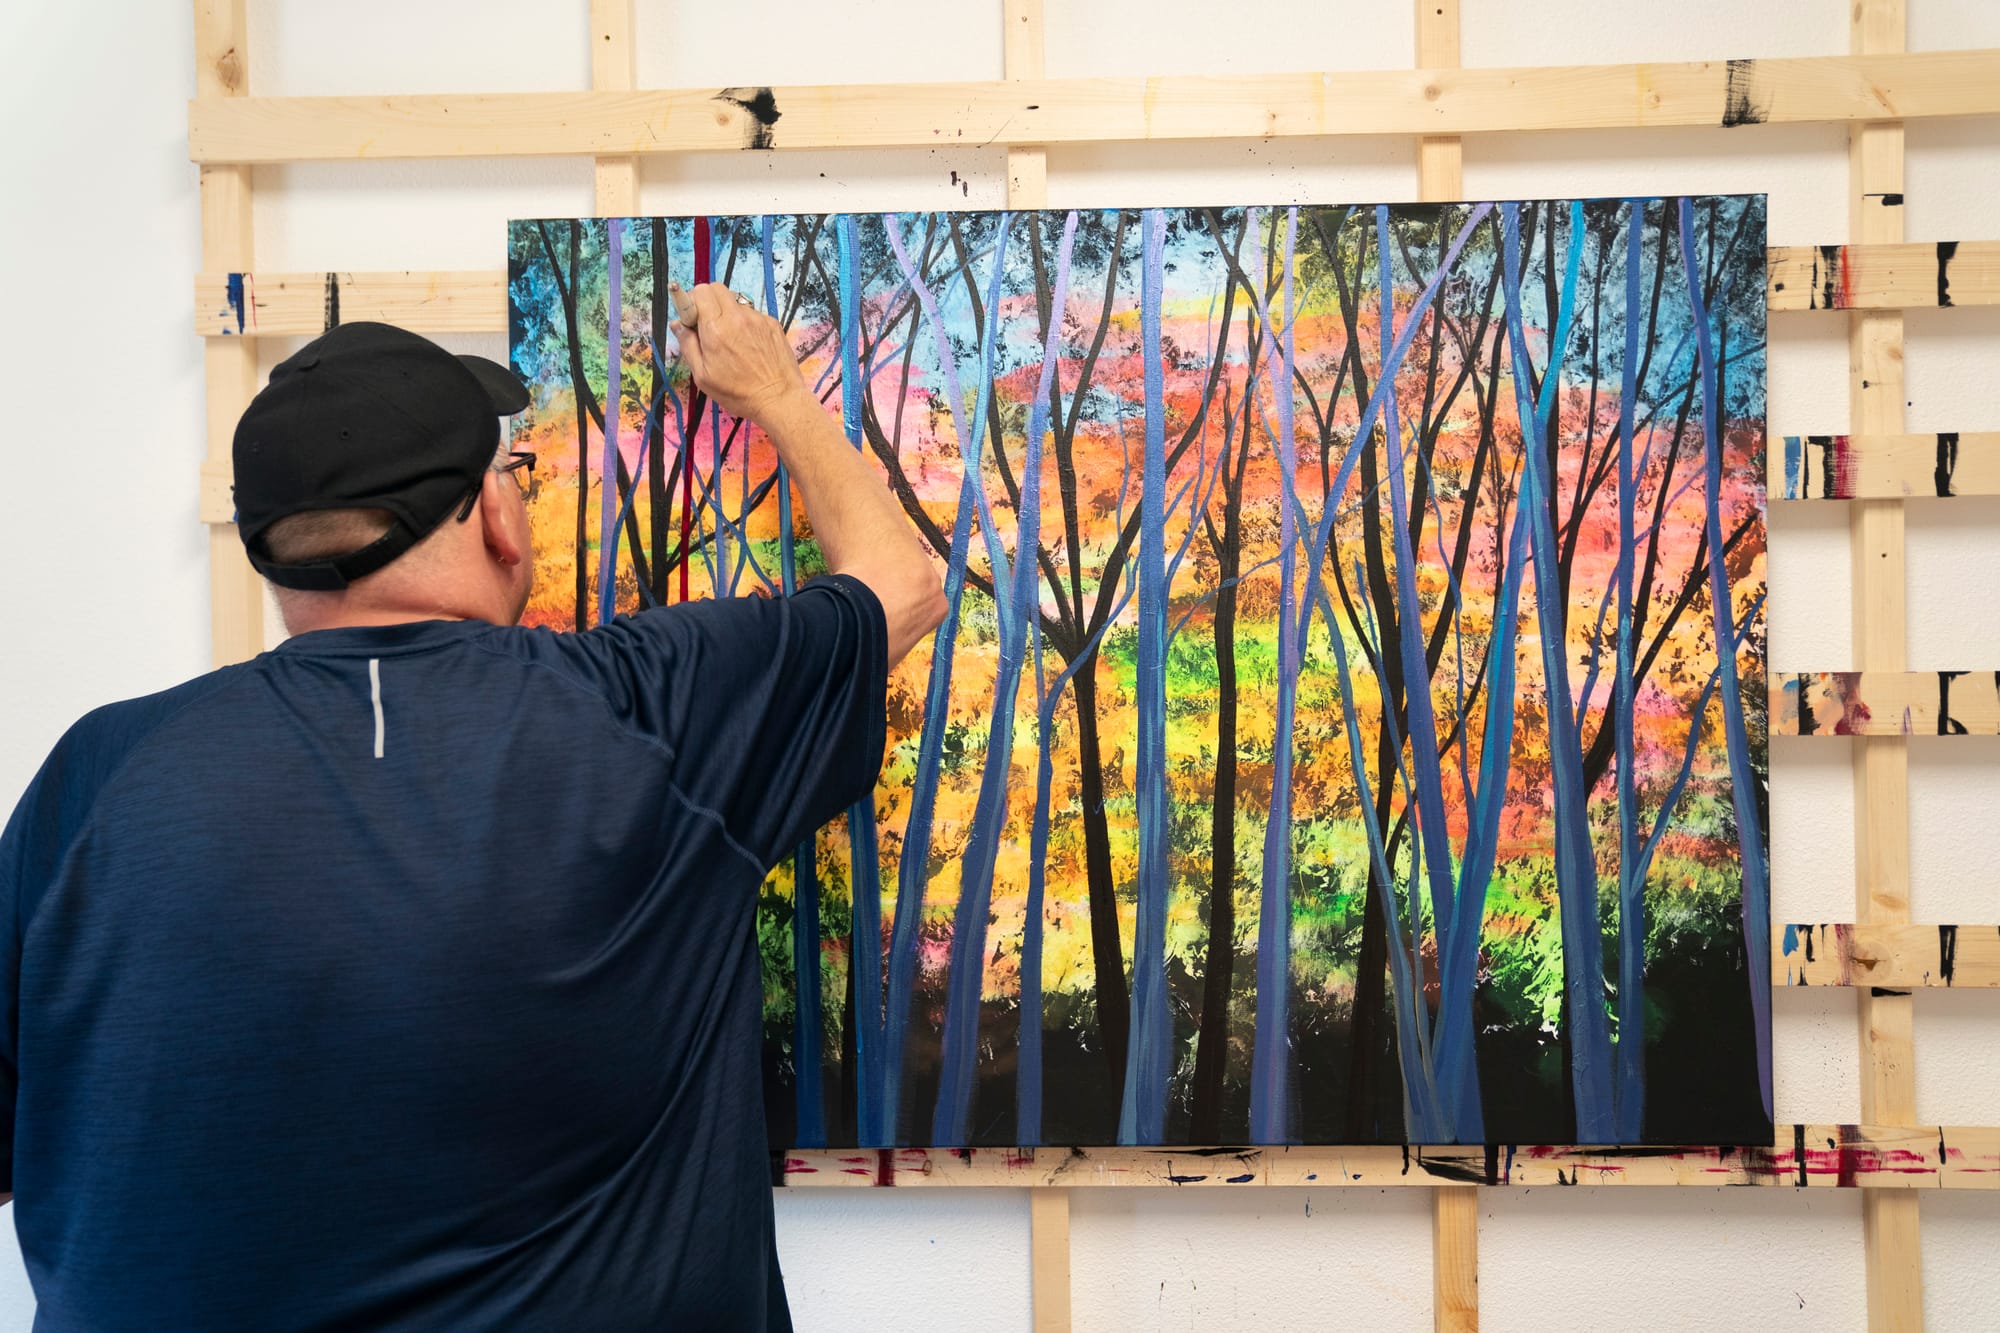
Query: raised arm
point(740, 358)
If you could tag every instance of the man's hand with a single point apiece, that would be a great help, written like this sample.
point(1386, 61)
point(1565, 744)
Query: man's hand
point(739, 357)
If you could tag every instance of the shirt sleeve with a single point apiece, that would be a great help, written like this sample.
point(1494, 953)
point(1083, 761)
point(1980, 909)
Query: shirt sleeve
point(13, 864)
point(772, 709)
point(28, 850)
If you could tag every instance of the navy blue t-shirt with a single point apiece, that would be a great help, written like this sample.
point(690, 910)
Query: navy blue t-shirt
point(406, 977)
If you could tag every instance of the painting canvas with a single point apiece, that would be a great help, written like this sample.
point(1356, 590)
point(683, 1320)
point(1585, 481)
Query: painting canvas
point(1349, 723)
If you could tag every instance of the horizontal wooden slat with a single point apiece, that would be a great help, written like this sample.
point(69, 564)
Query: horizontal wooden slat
point(1886, 703)
point(1900, 276)
point(1900, 955)
point(1885, 467)
point(1045, 111)
point(466, 301)
point(1926, 1156)
point(475, 301)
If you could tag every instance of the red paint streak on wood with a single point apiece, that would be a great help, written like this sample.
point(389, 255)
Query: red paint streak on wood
point(1845, 301)
point(1840, 467)
point(1854, 714)
point(885, 1169)
point(798, 1166)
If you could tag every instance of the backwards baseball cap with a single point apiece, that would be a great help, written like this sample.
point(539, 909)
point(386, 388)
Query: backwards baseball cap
point(367, 416)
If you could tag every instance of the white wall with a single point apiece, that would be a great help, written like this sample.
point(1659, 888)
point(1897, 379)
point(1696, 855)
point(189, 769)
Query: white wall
point(107, 594)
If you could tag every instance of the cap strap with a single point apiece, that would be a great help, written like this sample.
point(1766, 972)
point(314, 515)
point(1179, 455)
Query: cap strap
point(336, 572)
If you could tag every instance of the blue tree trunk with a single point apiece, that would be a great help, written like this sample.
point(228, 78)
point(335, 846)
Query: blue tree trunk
point(914, 867)
point(1028, 1076)
point(614, 377)
point(1149, 1058)
point(958, 1052)
point(864, 857)
point(1271, 1053)
point(1457, 1071)
point(1422, 1116)
point(1589, 1030)
point(1631, 1091)
point(1736, 738)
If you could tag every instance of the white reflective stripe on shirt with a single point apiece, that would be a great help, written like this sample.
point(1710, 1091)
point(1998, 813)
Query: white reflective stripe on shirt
point(375, 697)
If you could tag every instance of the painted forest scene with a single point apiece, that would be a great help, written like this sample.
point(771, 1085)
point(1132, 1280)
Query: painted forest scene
point(1349, 722)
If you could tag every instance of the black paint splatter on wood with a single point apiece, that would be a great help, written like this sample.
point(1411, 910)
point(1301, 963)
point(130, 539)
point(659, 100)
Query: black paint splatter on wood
point(1493, 1164)
point(1947, 460)
point(1808, 724)
point(1799, 1150)
point(1947, 724)
point(332, 303)
point(1826, 275)
point(1454, 1169)
point(1885, 992)
point(1945, 251)
point(1742, 104)
point(1947, 952)
point(763, 108)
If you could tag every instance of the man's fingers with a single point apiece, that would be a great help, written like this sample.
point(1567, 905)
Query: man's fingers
point(690, 341)
point(714, 301)
point(684, 309)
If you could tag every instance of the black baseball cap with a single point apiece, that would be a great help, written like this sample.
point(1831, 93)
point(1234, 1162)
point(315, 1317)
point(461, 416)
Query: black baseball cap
point(367, 416)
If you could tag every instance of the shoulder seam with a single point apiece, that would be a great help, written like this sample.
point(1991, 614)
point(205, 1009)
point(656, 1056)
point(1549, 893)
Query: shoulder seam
point(674, 786)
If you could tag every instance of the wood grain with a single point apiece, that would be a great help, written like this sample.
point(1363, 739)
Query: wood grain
point(1886, 703)
point(1048, 1258)
point(1901, 275)
point(1006, 112)
point(236, 593)
point(247, 304)
point(1891, 1238)
point(1902, 955)
point(616, 176)
point(1885, 467)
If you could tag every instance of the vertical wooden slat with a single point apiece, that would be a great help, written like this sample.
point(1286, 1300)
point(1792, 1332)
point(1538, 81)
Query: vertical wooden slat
point(611, 62)
point(1021, 47)
point(236, 594)
point(1454, 1209)
point(1455, 1258)
point(1881, 765)
point(1048, 1258)
point(1028, 187)
point(1440, 158)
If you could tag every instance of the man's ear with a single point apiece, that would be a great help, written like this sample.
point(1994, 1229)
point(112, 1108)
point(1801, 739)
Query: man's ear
point(502, 520)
